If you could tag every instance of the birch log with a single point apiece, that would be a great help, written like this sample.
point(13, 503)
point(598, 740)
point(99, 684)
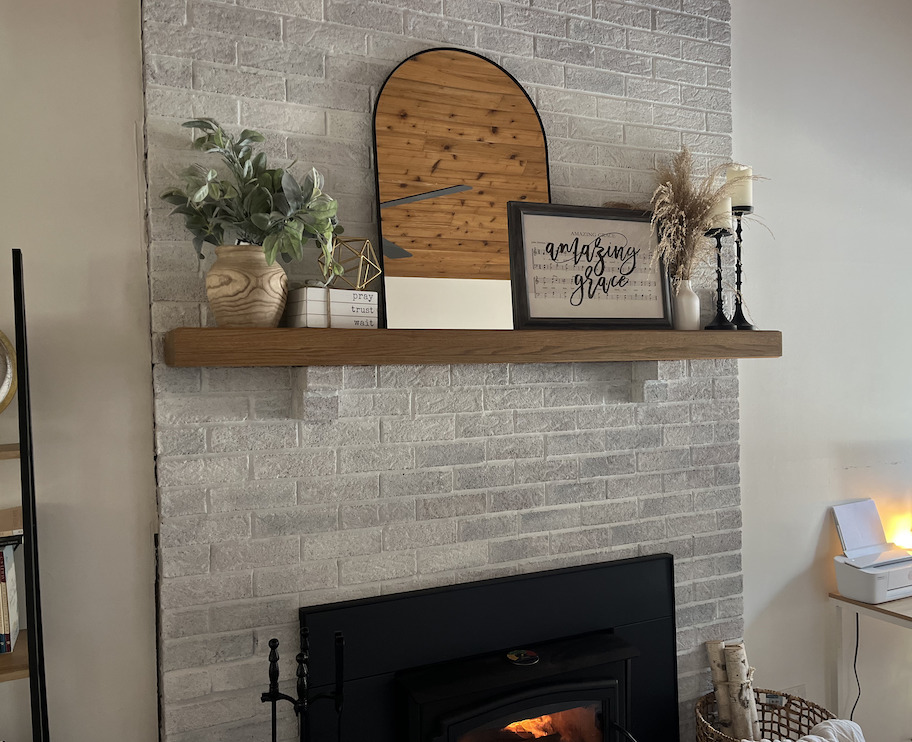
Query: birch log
point(755, 716)
point(740, 691)
point(714, 650)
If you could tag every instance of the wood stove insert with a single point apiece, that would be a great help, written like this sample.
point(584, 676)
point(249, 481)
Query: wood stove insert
point(432, 665)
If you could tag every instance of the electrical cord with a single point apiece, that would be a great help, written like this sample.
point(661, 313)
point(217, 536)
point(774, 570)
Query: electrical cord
point(855, 668)
point(621, 729)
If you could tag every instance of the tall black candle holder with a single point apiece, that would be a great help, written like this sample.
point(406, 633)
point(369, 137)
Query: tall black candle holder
point(720, 321)
point(739, 319)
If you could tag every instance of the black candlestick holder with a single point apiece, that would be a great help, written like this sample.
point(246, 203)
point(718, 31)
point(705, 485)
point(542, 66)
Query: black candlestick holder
point(720, 321)
point(738, 318)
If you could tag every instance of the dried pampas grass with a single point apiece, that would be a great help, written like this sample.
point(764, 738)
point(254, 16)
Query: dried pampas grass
point(682, 208)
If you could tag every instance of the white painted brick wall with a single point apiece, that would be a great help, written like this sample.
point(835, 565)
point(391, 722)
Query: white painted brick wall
point(281, 488)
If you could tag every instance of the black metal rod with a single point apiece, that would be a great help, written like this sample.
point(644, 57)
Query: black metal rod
point(340, 671)
point(339, 695)
point(275, 721)
point(274, 683)
point(31, 584)
point(303, 707)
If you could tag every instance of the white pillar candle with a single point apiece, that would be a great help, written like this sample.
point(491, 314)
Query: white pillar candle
point(721, 215)
point(742, 191)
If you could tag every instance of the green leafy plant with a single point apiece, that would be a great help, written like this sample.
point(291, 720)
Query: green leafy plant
point(254, 203)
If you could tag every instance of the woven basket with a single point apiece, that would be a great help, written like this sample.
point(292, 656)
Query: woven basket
point(781, 716)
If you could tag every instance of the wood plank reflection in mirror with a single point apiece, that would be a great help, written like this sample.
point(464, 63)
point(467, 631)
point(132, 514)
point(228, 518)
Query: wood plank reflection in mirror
point(456, 137)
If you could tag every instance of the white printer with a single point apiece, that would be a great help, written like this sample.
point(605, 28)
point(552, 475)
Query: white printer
point(872, 570)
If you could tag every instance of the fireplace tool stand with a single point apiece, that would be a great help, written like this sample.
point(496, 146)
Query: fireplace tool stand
point(301, 704)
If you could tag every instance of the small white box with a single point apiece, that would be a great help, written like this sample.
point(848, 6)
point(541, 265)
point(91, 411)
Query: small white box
point(346, 309)
point(353, 297)
point(302, 294)
point(319, 294)
point(361, 323)
point(305, 320)
point(308, 307)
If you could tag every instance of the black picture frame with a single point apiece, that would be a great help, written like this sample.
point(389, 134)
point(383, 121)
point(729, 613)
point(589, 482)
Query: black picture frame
point(561, 280)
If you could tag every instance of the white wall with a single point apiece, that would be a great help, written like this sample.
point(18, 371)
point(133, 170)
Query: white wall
point(822, 108)
point(70, 84)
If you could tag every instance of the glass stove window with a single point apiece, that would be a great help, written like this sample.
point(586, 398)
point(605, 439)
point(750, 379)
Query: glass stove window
point(578, 724)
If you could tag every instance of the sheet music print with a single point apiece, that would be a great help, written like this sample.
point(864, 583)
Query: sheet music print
point(590, 268)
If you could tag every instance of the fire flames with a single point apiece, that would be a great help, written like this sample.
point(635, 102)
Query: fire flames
point(573, 725)
point(532, 728)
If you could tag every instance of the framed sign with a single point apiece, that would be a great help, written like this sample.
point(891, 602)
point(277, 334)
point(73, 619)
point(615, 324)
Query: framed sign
point(585, 267)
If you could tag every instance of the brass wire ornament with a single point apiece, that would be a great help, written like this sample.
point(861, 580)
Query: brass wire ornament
point(357, 256)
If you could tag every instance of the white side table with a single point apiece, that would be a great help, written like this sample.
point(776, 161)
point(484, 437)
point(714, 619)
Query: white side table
point(897, 612)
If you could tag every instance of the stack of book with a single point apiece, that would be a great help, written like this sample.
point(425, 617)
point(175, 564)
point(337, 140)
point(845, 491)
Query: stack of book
point(9, 601)
point(320, 307)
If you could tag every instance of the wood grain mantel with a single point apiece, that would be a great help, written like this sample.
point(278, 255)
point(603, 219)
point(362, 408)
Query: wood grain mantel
point(211, 346)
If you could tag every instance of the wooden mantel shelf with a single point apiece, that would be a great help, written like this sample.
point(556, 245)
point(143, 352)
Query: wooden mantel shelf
point(15, 665)
point(215, 346)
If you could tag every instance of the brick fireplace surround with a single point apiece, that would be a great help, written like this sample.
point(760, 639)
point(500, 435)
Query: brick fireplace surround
point(287, 487)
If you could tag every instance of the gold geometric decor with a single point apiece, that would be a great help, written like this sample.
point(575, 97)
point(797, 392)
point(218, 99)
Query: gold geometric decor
point(357, 256)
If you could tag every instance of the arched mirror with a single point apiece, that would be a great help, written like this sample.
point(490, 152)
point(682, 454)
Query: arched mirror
point(455, 139)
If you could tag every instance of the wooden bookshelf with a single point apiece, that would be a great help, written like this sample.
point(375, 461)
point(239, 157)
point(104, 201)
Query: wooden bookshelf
point(9, 451)
point(10, 521)
point(216, 346)
point(15, 665)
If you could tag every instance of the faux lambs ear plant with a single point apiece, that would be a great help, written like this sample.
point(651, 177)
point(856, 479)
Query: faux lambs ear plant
point(254, 203)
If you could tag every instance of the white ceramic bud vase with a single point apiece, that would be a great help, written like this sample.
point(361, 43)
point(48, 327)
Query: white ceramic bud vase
point(686, 307)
